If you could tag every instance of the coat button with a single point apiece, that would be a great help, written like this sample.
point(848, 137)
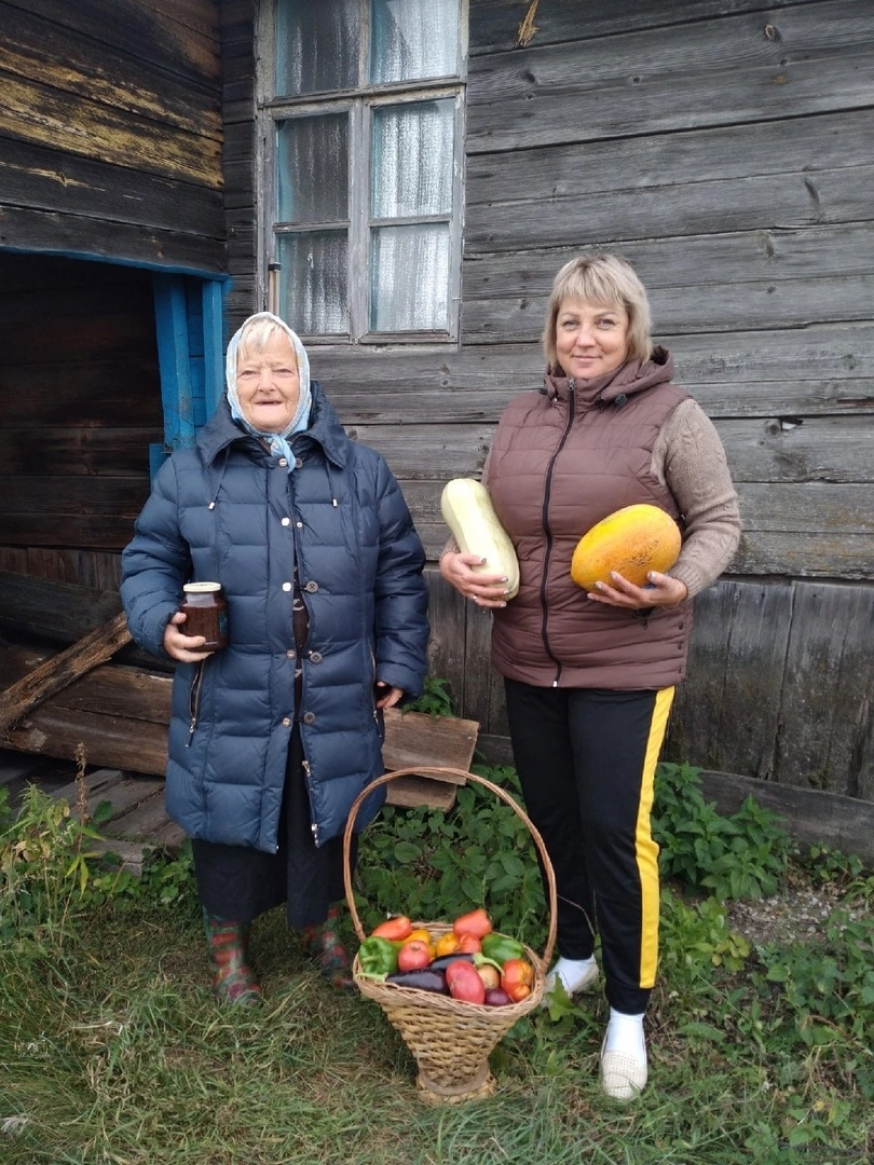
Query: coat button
point(286, 722)
point(315, 657)
point(290, 654)
point(286, 521)
point(311, 586)
point(299, 525)
point(298, 463)
point(286, 586)
point(309, 717)
point(282, 461)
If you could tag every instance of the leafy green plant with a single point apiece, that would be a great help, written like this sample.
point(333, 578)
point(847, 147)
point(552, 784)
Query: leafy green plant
point(741, 856)
point(436, 699)
point(698, 934)
point(433, 865)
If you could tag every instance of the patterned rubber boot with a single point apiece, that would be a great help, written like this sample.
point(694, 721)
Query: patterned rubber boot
point(232, 978)
point(322, 942)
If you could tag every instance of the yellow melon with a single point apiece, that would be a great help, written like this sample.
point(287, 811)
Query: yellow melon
point(632, 541)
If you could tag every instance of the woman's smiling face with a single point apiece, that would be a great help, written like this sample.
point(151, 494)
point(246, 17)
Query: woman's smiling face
point(268, 384)
point(591, 339)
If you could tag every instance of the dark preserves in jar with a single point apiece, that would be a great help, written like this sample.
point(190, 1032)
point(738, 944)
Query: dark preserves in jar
point(206, 611)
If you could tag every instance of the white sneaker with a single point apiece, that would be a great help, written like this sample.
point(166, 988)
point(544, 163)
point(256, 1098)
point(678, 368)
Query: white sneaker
point(624, 1070)
point(575, 975)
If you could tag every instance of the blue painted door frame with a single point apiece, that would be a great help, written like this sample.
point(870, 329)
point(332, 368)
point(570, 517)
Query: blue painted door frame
point(188, 318)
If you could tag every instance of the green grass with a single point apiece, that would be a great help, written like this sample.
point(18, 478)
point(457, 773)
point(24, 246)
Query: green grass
point(113, 1052)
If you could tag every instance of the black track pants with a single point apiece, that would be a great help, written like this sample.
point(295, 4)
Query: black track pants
point(586, 759)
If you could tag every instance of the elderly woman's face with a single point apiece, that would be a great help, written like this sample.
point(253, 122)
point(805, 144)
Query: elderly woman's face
point(268, 384)
point(591, 339)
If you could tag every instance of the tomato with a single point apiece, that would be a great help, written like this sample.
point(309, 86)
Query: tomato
point(447, 944)
point(477, 923)
point(464, 983)
point(394, 929)
point(414, 956)
point(517, 979)
point(469, 944)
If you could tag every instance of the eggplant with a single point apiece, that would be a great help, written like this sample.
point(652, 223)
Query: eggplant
point(424, 980)
point(443, 962)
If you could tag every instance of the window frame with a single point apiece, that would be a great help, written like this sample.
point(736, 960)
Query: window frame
point(359, 103)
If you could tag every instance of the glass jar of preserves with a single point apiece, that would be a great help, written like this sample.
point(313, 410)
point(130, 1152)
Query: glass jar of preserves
point(206, 611)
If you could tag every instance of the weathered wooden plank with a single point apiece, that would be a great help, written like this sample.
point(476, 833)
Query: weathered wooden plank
point(77, 235)
point(729, 44)
point(827, 555)
point(86, 395)
point(428, 451)
point(119, 454)
point(751, 228)
point(95, 533)
point(38, 50)
point(33, 112)
point(415, 738)
point(41, 608)
point(494, 24)
point(107, 740)
point(829, 141)
point(183, 42)
point(698, 307)
point(446, 646)
point(835, 449)
point(58, 672)
point(731, 73)
point(827, 713)
point(727, 712)
point(811, 817)
point(51, 180)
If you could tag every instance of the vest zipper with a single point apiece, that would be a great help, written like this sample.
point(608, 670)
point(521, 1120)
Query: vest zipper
point(543, 628)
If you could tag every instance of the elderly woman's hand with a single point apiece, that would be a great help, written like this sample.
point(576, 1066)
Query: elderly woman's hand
point(486, 590)
point(663, 591)
point(183, 647)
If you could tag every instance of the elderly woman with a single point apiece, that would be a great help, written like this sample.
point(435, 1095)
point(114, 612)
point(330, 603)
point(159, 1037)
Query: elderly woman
point(273, 736)
point(589, 677)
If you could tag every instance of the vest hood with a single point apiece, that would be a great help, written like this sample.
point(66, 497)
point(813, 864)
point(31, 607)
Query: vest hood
point(633, 377)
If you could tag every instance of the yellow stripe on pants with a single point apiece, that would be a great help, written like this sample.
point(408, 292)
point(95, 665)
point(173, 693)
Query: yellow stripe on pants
point(646, 849)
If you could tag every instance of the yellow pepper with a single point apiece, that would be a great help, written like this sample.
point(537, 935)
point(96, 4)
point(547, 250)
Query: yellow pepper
point(447, 944)
point(420, 935)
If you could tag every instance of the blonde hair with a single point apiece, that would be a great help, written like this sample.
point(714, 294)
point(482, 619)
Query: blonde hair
point(602, 279)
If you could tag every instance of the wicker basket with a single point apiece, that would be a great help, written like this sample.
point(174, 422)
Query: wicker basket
point(451, 1040)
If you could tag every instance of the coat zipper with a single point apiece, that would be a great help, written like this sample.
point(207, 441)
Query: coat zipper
point(194, 701)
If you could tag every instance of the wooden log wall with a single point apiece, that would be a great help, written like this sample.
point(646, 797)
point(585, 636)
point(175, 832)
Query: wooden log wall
point(724, 147)
point(80, 402)
point(110, 130)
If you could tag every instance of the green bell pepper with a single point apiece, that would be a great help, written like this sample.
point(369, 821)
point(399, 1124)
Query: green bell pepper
point(500, 947)
point(377, 957)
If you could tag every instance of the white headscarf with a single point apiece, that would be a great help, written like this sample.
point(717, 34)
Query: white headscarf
point(278, 442)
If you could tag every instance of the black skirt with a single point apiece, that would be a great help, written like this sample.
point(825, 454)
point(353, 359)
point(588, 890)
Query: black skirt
point(238, 882)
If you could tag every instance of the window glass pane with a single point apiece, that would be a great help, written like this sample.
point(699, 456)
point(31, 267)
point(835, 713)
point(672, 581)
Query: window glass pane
point(312, 163)
point(412, 163)
point(313, 284)
point(316, 46)
point(409, 278)
point(413, 39)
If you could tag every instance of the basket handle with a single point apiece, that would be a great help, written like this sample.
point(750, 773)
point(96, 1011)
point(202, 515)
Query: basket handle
point(499, 792)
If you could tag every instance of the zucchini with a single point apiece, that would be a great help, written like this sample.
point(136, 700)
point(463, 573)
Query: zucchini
point(468, 512)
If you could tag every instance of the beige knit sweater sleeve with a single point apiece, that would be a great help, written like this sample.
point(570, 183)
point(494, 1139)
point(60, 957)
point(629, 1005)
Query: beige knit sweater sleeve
point(689, 458)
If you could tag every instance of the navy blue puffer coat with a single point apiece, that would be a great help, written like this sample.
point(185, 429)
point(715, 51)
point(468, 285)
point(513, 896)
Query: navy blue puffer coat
point(230, 512)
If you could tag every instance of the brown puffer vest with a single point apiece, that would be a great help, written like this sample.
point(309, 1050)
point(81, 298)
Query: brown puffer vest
point(563, 459)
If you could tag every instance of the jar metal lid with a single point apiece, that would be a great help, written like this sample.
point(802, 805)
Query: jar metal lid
point(201, 588)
